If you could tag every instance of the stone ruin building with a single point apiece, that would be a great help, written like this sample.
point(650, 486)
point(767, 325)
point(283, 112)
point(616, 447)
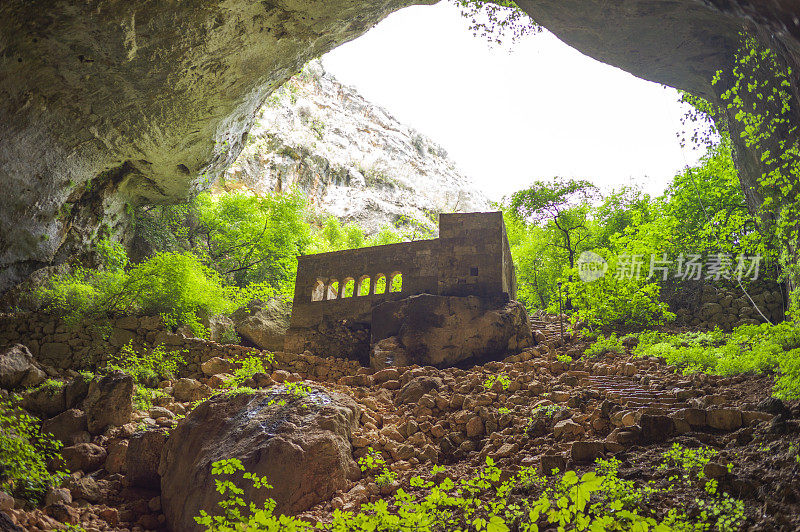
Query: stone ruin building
point(340, 295)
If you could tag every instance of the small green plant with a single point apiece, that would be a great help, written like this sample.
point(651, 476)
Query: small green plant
point(24, 454)
point(374, 464)
point(232, 504)
point(147, 368)
point(501, 378)
point(690, 461)
point(603, 345)
point(546, 411)
point(503, 410)
point(51, 386)
point(563, 357)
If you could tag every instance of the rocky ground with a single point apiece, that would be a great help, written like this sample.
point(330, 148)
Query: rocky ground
point(607, 405)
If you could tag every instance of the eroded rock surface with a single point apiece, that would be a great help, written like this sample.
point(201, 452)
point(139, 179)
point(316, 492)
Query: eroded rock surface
point(300, 442)
point(351, 157)
point(442, 331)
point(264, 324)
point(109, 103)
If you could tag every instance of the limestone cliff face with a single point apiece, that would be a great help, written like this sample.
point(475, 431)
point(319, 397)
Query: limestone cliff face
point(109, 103)
point(350, 156)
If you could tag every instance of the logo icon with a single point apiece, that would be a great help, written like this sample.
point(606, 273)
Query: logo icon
point(591, 266)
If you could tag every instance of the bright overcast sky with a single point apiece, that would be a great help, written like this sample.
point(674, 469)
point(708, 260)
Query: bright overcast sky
point(506, 118)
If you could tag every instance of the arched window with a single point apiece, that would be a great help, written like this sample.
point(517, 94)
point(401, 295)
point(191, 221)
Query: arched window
point(380, 284)
point(349, 287)
point(396, 284)
point(318, 293)
point(333, 289)
point(364, 285)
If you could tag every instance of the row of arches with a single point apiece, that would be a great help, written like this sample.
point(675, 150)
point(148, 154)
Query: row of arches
point(363, 286)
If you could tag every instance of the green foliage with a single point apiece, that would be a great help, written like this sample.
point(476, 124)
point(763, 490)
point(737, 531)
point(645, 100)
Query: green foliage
point(762, 348)
point(761, 96)
point(373, 463)
point(148, 366)
point(250, 239)
point(501, 379)
point(546, 411)
point(176, 285)
point(597, 500)
point(497, 20)
point(603, 345)
point(618, 301)
point(24, 454)
point(248, 368)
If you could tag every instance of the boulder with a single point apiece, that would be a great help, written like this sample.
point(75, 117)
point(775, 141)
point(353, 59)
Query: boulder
point(264, 324)
point(586, 451)
point(656, 428)
point(143, 456)
point(16, 366)
point(84, 457)
point(727, 419)
point(217, 365)
point(300, 442)
point(417, 387)
point(45, 401)
point(190, 390)
point(442, 331)
point(220, 329)
point(68, 427)
point(108, 401)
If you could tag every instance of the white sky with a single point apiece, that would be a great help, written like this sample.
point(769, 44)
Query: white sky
point(509, 117)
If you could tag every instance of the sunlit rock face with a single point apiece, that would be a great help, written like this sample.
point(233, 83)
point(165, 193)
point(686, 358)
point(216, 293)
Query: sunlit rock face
point(107, 103)
point(351, 157)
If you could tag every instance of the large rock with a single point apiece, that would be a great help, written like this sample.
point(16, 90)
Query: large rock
point(68, 427)
point(443, 330)
point(109, 401)
point(143, 457)
point(302, 445)
point(264, 324)
point(17, 366)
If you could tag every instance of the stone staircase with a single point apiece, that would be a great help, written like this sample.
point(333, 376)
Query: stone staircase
point(547, 325)
point(627, 393)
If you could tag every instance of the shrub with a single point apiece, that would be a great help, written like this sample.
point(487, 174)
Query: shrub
point(175, 285)
point(24, 454)
point(145, 367)
point(760, 348)
point(618, 302)
point(603, 345)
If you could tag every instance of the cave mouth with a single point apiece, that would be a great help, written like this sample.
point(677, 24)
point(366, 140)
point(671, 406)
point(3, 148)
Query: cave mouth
point(162, 99)
point(519, 105)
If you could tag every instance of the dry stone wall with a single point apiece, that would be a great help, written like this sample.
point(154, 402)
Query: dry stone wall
point(87, 347)
point(726, 307)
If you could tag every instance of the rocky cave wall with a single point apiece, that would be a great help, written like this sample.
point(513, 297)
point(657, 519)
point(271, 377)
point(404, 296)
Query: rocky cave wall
point(106, 104)
point(109, 103)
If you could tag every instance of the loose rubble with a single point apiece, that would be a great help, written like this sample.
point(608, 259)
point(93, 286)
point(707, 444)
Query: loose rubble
point(543, 412)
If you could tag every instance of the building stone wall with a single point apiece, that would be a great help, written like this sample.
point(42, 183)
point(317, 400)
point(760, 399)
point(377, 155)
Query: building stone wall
point(471, 257)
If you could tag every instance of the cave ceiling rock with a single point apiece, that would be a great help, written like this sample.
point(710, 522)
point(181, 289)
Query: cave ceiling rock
point(105, 104)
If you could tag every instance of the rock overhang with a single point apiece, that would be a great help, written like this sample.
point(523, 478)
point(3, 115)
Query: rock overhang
point(108, 104)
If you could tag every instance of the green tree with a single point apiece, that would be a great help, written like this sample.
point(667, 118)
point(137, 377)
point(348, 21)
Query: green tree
point(562, 203)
